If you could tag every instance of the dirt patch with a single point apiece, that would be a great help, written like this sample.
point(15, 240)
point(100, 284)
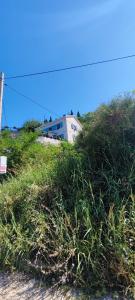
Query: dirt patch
point(18, 287)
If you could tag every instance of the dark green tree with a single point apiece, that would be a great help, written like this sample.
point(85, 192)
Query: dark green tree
point(78, 114)
point(71, 113)
point(50, 120)
point(45, 121)
point(31, 125)
point(108, 135)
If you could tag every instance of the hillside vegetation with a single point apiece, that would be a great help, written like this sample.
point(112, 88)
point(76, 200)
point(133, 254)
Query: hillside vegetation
point(67, 213)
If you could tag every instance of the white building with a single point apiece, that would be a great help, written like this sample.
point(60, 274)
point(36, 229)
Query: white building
point(66, 128)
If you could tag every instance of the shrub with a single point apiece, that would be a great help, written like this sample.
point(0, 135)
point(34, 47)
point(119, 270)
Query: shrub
point(108, 136)
point(31, 125)
point(15, 149)
point(54, 225)
point(69, 215)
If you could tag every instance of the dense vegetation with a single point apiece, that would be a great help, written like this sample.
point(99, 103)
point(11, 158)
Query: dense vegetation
point(31, 126)
point(67, 213)
point(15, 149)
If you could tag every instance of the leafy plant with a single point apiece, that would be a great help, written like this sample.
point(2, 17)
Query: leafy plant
point(69, 213)
point(31, 125)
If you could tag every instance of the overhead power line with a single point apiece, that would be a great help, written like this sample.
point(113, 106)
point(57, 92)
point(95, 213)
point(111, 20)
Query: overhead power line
point(72, 67)
point(31, 99)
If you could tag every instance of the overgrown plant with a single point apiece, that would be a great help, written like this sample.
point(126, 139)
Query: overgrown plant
point(69, 216)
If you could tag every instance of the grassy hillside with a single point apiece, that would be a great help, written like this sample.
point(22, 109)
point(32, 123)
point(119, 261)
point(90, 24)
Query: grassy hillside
point(68, 214)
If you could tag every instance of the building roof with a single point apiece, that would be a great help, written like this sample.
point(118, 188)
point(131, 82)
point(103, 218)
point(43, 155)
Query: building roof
point(61, 119)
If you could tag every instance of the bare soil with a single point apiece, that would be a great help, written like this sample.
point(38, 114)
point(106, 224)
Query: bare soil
point(18, 287)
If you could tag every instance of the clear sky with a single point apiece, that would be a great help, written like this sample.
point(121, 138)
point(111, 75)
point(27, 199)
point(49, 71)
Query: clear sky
point(38, 35)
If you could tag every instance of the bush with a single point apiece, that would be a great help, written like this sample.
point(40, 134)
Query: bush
point(55, 226)
point(31, 125)
point(69, 215)
point(15, 149)
point(108, 137)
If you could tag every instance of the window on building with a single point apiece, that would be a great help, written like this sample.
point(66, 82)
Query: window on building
point(54, 127)
point(59, 125)
point(47, 129)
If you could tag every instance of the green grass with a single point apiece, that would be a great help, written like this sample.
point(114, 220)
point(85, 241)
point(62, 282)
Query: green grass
point(54, 222)
point(67, 214)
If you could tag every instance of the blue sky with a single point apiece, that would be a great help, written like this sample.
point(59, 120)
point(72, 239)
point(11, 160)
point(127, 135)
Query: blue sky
point(38, 35)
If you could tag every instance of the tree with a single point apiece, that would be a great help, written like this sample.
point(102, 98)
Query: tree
point(45, 121)
point(71, 113)
point(50, 120)
point(31, 125)
point(108, 135)
point(78, 114)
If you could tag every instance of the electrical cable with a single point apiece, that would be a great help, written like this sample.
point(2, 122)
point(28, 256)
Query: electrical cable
point(72, 67)
point(31, 99)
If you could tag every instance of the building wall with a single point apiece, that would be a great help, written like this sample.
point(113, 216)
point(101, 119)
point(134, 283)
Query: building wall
point(73, 128)
point(47, 140)
point(70, 128)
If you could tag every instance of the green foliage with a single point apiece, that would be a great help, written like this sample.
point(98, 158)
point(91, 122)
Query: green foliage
point(45, 121)
point(69, 215)
point(71, 112)
point(108, 135)
point(54, 224)
point(78, 114)
point(15, 149)
point(31, 125)
point(50, 120)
